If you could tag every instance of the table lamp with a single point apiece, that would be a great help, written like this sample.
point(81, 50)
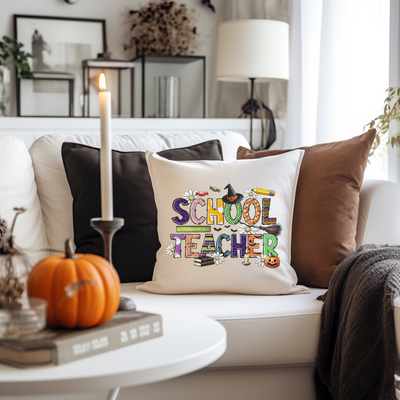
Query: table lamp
point(253, 49)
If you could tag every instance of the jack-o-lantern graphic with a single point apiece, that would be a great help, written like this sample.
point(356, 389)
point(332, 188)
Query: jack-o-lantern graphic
point(272, 261)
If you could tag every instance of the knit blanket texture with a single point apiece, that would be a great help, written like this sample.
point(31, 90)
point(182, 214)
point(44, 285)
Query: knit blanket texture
point(357, 346)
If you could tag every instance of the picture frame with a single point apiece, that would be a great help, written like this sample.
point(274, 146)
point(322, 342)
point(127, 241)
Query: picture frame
point(58, 46)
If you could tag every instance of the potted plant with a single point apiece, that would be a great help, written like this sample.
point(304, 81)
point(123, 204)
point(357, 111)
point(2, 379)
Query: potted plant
point(11, 53)
point(391, 112)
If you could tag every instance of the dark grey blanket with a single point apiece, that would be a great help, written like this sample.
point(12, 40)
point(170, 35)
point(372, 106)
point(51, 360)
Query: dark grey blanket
point(356, 350)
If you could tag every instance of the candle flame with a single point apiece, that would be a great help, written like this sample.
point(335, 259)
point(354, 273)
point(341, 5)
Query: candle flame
point(102, 81)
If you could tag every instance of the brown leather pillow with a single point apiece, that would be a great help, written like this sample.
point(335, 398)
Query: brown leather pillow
point(326, 205)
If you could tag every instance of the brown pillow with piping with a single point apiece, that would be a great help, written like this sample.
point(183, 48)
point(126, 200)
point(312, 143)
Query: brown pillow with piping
point(326, 205)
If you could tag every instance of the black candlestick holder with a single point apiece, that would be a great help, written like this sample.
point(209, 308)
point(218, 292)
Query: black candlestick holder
point(107, 230)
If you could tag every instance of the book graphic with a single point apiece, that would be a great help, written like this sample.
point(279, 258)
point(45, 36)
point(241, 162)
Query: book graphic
point(202, 261)
point(60, 346)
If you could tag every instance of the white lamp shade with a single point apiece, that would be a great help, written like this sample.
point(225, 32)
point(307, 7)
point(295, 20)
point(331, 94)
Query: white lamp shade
point(253, 48)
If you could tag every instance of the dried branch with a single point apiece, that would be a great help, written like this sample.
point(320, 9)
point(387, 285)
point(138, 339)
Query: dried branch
point(391, 112)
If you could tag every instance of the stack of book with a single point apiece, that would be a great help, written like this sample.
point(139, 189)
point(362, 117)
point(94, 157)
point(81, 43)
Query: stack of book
point(202, 261)
point(60, 346)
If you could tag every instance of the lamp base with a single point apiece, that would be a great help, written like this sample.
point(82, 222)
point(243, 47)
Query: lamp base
point(260, 110)
point(272, 129)
point(107, 230)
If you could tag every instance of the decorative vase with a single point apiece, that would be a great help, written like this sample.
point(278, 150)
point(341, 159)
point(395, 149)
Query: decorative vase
point(5, 86)
point(167, 96)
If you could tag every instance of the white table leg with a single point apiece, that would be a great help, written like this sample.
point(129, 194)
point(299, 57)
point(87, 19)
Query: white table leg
point(112, 395)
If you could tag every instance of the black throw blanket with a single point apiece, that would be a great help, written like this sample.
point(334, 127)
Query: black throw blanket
point(357, 347)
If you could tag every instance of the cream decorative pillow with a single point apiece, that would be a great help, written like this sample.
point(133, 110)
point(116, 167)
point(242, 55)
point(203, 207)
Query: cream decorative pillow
point(225, 226)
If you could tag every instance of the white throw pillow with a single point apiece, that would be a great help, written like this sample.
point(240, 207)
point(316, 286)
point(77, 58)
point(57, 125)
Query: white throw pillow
point(18, 189)
point(237, 213)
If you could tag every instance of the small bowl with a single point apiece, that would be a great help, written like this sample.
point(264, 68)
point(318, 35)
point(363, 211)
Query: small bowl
point(29, 319)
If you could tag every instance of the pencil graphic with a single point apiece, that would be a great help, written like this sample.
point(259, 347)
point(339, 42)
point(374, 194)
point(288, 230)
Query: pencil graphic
point(264, 191)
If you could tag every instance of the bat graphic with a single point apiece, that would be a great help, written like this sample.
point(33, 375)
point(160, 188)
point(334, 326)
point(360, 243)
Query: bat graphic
point(234, 230)
point(227, 226)
point(217, 229)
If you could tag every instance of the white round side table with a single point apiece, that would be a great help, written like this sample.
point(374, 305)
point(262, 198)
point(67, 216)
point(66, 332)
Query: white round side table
point(189, 342)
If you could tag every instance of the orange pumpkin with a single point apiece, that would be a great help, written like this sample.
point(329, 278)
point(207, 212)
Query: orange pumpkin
point(272, 261)
point(81, 290)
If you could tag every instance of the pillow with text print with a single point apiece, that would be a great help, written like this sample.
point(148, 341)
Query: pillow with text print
point(225, 226)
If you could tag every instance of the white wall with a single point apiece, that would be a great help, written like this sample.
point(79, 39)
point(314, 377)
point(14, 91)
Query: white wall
point(112, 12)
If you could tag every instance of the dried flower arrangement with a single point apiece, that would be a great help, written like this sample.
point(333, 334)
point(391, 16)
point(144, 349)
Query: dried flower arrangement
point(165, 28)
point(14, 266)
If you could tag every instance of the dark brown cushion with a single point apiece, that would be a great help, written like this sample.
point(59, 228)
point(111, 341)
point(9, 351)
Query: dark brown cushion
point(326, 205)
point(136, 243)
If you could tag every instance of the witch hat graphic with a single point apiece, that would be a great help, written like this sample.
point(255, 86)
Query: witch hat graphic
point(232, 197)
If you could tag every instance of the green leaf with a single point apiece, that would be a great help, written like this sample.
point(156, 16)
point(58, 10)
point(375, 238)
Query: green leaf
point(11, 53)
point(27, 75)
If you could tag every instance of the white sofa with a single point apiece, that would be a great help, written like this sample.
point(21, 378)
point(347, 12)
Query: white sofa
point(272, 340)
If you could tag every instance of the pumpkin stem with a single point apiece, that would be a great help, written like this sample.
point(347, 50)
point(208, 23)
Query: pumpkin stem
point(68, 250)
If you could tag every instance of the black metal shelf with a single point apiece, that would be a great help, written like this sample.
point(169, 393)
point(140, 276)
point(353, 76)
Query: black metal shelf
point(169, 59)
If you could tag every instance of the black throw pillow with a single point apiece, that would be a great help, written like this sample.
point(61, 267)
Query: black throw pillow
point(136, 243)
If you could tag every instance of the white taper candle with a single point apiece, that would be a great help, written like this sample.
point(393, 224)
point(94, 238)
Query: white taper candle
point(105, 153)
